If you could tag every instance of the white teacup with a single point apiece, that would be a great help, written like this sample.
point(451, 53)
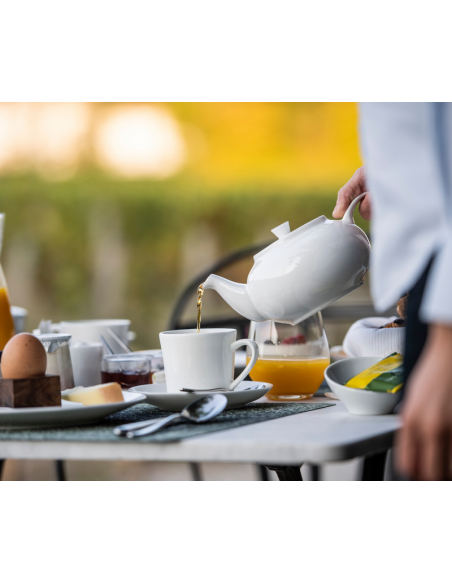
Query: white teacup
point(203, 360)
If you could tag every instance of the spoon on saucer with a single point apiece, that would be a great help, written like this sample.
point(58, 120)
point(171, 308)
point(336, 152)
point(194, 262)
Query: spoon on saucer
point(201, 410)
point(258, 386)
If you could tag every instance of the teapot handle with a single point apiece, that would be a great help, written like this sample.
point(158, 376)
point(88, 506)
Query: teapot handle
point(348, 215)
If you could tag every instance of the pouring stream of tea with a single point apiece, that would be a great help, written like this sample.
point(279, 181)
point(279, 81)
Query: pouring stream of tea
point(199, 306)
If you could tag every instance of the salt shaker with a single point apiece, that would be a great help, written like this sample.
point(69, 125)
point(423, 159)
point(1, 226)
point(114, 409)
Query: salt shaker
point(58, 358)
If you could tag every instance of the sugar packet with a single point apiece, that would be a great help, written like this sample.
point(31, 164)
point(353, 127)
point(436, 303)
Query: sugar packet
point(385, 376)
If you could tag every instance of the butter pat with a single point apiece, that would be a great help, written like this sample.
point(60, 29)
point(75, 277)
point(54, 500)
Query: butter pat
point(97, 394)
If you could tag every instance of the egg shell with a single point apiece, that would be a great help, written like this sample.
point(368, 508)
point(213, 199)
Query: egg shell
point(23, 357)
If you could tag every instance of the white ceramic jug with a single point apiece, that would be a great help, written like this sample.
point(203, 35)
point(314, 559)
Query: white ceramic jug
point(302, 272)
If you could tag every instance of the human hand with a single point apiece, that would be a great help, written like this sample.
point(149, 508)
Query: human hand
point(356, 186)
point(424, 444)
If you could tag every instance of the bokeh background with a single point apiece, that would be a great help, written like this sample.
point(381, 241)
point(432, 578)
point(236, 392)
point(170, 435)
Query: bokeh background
point(111, 208)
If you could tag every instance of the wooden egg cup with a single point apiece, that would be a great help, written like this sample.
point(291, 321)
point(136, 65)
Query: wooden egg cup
point(35, 392)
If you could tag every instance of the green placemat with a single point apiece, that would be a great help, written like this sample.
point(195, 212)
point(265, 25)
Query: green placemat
point(102, 431)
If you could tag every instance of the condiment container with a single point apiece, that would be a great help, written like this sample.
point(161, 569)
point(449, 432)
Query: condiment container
point(20, 316)
point(86, 360)
point(156, 364)
point(128, 370)
point(58, 358)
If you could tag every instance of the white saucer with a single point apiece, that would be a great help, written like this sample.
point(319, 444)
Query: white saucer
point(156, 395)
point(69, 414)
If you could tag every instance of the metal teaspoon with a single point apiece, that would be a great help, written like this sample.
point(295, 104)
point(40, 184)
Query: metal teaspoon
point(124, 346)
point(201, 410)
point(258, 386)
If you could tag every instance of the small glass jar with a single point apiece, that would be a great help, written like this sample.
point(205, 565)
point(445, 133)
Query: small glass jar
point(156, 374)
point(292, 358)
point(128, 370)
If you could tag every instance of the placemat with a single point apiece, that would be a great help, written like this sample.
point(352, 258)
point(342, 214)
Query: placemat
point(102, 431)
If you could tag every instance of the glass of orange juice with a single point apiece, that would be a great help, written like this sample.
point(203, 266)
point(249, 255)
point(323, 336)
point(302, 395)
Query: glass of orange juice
point(6, 319)
point(292, 358)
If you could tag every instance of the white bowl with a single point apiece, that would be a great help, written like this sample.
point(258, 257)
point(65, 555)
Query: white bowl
point(359, 402)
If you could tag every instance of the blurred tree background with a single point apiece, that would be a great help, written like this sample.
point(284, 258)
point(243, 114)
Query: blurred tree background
point(112, 208)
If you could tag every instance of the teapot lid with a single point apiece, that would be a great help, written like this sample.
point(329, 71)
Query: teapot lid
point(283, 232)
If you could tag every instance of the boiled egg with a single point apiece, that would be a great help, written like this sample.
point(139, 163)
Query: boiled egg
point(23, 357)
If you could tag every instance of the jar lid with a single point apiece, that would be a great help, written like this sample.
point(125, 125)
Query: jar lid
point(154, 353)
point(126, 357)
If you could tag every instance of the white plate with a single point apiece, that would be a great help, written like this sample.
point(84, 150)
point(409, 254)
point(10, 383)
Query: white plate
point(156, 395)
point(70, 414)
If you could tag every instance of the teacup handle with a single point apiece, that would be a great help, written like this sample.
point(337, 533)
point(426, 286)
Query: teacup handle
point(254, 355)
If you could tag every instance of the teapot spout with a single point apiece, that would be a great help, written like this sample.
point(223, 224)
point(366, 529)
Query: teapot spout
point(236, 295)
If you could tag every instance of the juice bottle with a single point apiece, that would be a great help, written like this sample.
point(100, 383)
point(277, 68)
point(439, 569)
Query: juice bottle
point(6, 319)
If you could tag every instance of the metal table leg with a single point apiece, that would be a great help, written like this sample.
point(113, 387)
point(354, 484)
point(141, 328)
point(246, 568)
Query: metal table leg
point(195, 471)
point(287, 473)
point(263, 472)
point(374, 467)
point(315, 472)
point(59, 467)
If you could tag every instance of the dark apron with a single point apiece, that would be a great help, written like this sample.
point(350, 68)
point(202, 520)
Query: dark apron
point(416, 330)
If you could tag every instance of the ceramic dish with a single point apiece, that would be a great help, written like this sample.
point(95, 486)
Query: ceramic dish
point(175, 402)
point(70, 414)
point(359, 402)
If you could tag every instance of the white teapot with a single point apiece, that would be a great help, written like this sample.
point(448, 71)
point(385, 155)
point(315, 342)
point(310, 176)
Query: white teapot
point(302, 272)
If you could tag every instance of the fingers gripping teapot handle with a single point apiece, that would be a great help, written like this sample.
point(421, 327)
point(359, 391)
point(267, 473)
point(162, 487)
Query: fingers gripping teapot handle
point(254, 355)
point(348, 215)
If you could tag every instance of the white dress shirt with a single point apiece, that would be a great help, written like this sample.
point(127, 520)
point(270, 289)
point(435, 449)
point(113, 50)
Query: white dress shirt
point(408, 151)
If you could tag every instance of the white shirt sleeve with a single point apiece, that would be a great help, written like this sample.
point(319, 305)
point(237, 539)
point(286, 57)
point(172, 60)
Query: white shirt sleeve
point(408, 150)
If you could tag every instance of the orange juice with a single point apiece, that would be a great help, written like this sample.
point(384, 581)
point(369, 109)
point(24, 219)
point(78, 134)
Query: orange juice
point(6, 319)
point(291, 378)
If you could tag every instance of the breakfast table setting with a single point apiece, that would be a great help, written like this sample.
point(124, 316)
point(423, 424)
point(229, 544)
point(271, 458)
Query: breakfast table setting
point(76, 390)
point(318, 430)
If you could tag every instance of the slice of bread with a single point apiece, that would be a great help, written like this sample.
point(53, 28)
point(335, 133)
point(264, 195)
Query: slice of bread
point(97, 394)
